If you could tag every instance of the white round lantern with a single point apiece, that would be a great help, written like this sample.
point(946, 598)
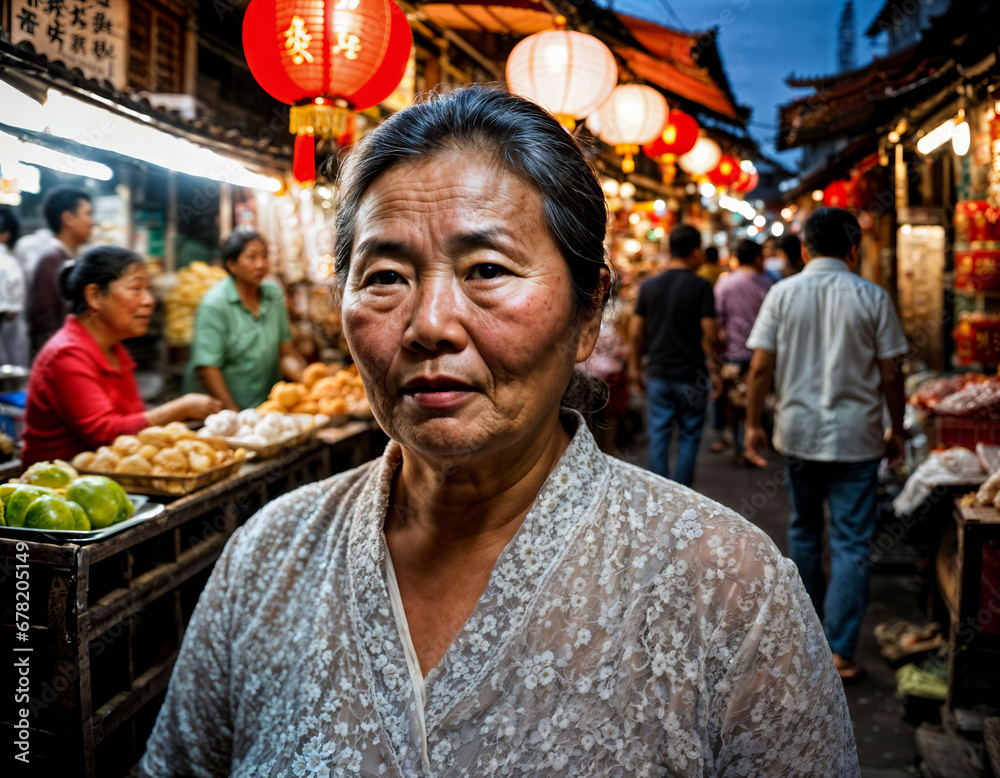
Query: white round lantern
point(633, 115)
point(568, 73)
point(702, 158)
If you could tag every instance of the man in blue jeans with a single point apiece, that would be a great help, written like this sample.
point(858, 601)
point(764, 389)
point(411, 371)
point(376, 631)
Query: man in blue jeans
point(674, 324)
point(833, 342)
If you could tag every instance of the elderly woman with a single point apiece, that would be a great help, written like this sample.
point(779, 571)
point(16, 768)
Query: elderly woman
point(493, 596)
point(82, 393)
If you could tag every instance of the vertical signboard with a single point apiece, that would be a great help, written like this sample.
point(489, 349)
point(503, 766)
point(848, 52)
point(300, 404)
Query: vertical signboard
point(91, 35)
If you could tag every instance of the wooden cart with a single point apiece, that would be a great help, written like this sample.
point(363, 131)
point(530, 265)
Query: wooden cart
point(107, 618)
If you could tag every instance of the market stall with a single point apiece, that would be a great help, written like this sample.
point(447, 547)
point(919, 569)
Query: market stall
point(104, 618)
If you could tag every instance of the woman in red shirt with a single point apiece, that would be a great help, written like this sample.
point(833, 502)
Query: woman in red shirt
point(82, 392)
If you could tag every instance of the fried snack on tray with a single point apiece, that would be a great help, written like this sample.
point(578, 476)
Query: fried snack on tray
point(134, 465)
point(325, 389)
point(84, 460)
point(125, 445)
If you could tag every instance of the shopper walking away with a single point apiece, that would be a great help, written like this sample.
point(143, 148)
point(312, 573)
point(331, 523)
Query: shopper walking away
point(832, 342)
point(70, 217)
point(674, 324)
point(711, 268)
point(738, 297)
point(13, 335)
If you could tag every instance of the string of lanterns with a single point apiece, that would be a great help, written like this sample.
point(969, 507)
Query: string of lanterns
point(329, 59)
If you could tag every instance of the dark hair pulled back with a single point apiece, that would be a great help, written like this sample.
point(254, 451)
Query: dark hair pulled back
point(102, 266)
point(521, 137)
point(236, 243)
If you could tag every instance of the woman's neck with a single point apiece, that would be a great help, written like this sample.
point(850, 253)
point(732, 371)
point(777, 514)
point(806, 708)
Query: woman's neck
point(249, 293)
point(474, 505)
point(105, 338)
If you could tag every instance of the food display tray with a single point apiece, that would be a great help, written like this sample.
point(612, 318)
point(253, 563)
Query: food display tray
point(144, 510)
point(158, 485)
point(274, 448)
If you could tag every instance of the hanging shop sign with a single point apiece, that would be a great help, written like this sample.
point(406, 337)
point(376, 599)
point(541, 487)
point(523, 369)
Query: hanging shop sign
point(91, 35)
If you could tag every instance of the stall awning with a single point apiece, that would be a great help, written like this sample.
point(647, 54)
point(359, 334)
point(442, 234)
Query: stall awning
point(507, 17)
point(671, 63)
point(96, 126)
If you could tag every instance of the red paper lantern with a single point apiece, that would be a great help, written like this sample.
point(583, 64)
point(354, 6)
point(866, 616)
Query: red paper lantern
point(836, 195)
point(678, 137)
point(862, 188)
point(727, 172)
point(326, 58)
point(746, 183)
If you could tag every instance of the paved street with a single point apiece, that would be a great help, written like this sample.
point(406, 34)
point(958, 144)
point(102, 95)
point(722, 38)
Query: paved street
point(885, 741)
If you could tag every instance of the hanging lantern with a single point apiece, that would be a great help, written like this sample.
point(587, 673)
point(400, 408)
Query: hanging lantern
point(836, 195)
point(327, 59)
point(568, 73)
point(746, 183)
point(633, 115)
point(863, 187)
point(678, 137)
point(702, 158)
point(727, 172)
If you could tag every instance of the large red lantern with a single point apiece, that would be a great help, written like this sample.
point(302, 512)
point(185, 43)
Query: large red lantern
point(727, 172)
point(678, 137)
point(864, 186)
point(326, 58)
point(837, 195)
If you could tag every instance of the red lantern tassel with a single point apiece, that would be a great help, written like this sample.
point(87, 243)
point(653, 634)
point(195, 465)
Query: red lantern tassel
point(304, 159)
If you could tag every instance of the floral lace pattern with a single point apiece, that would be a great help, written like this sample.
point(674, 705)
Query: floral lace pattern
point(631, 627)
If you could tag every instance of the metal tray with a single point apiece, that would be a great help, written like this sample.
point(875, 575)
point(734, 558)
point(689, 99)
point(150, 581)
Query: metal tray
point(172, 485)
point(144, 509)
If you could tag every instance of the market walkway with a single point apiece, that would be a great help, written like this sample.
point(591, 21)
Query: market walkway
point(885, 741)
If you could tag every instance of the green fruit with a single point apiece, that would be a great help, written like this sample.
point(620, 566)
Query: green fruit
point(80, 519)
point(21, 499)
point(126, 508)
point(99, 497)
point(49, 513)
point(3, 522)
point(6, 490)
point(55, 475)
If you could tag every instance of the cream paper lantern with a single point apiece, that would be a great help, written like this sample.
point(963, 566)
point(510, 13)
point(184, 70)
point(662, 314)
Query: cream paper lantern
point(633, 115)
point(568, 73)
point(702, 158)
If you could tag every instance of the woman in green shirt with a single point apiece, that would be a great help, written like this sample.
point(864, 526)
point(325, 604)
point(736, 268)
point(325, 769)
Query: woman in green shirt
point(242, 341)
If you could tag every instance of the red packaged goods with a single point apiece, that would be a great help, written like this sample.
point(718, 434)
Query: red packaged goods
point(977, 270)
point(979, 399)
point(973, 223)
point(932, 392)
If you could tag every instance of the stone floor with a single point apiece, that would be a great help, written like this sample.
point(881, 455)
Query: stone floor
point(885, 742)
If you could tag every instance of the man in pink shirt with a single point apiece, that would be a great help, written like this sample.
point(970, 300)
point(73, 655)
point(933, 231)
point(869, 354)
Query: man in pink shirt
point(738, 297)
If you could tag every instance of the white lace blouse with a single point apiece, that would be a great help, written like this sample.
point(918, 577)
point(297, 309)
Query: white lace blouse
point(630, 628)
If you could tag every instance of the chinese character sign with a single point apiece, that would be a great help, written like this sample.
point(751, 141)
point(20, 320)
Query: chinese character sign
point(91, 35)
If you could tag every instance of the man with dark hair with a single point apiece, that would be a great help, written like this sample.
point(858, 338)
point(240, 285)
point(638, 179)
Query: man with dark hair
point(738, 297)
point(70, 217)
point(833, 343)
point(674, 322)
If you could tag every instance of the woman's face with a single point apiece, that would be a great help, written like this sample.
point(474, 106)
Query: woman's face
point(252, 265)
point(458, 307)
point(126, 308)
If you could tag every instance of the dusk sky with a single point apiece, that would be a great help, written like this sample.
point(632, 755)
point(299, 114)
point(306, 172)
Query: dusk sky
point(763, 41)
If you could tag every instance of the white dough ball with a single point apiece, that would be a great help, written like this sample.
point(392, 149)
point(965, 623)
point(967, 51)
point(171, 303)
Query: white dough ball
point(249, 417)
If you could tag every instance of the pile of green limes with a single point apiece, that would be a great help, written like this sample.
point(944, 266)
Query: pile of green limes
point(52, 495)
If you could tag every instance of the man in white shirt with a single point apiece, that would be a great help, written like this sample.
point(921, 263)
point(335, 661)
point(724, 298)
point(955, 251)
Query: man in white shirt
point(833, 342)
point(13, 335)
